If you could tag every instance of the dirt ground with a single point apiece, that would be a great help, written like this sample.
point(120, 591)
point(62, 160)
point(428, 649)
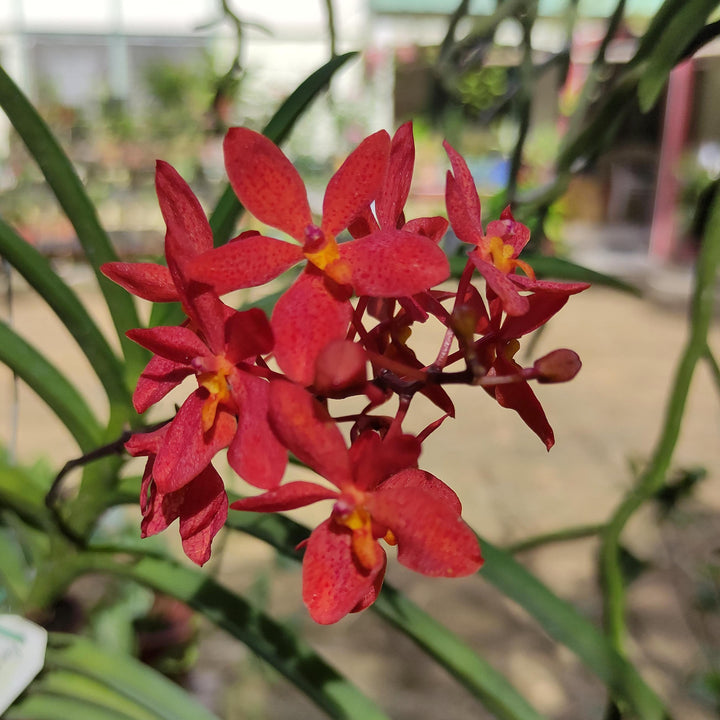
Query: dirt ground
point(511, 489)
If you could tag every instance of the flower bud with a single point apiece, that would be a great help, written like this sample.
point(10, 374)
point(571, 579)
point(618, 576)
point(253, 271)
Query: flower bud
point(557, 366)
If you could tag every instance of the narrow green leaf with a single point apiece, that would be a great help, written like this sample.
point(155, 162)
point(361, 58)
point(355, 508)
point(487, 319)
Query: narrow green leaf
point(22, 495)
point(566, 625)
point(52, 386)
point(119, 675)
point(228, 208)
point(39, 274)
point(268, 639)
point(48, 706)
point(14, 573)
point(70, 193)
point(71, 685)
point(687, 19)
point(469, 668)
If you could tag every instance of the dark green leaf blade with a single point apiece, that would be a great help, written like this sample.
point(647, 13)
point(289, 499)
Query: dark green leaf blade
point(70, 193)
point(58, 393)
point(64, 302)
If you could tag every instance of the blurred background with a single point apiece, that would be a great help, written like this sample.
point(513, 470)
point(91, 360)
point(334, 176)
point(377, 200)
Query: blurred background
point(123, 82)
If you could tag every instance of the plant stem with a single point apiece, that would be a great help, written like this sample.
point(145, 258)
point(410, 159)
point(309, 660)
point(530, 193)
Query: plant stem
point(654, 476)
point(564, 535)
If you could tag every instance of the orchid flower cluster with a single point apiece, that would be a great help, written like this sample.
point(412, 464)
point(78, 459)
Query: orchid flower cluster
point(342, 329)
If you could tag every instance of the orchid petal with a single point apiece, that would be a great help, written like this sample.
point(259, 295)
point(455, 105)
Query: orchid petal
point(266, 182)
point(374, 459)
point(414, 478)
point(179, 344)
point(430, 227)
point(542, 306)
point(396, 188)
point(305, 319)
point(394, 263)
point(245, 262)
point(305, 427)
point(432, 538)
point(513, 303)
point(255, 453)
point(286, 497)
point(549, 286)
point(188, 231)
point(158, 378)
point(464, 187)
point(148, 281)
point(333, 583)
point(356, 183)
point(247, 334)
point(187, 450)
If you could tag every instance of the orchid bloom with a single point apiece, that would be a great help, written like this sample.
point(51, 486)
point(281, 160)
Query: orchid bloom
point(218, 345)
point(496, 251)
point(379, 494)
point(201, 504)
point(315, 309)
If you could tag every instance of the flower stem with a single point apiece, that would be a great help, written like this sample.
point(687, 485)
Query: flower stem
point(654, 476)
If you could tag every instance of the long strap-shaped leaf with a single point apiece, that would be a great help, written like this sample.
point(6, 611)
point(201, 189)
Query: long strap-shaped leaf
point(119, 674)
point(49, 706)
point(58, 393)
point(39, 274)
point(557, 617)
point(268, 639)
point(70, 193)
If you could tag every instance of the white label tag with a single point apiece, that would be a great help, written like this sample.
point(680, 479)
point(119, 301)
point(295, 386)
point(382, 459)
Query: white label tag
point(22, 656)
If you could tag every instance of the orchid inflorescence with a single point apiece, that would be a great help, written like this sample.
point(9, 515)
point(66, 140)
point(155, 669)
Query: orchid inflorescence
point(263, 386)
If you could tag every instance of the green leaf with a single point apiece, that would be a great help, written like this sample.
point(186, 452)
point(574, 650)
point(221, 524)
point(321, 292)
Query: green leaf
point(566, 625)
point(74, 686)
point(123, 676)
point(52, 386)
point(469, 668)
point(70, 193)
point(268, 639)
point(39, 274)
point(677, 30)
point(228, 208)
point(42, 706)
point(20, 493)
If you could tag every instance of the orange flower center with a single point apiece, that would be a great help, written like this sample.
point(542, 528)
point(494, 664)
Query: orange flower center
point(216, 383)
point(322, 251)
point(357, 519)
point(501, 255)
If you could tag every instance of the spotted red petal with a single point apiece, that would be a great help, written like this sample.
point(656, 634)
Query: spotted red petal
point(417, 479)
point(356, 183)
point(247, 334)
point(432, 538)
point(541, 307)
point(179, 344)
point(158, 378)
point(333, 583)
point(548, 286)
point(245, 262)
point(374, 459)
point(465, 200)
point(148, 281)
point(188, 231)
point(305, 427)
point(187, 450)
point(286, 497)
point(431, 227)
point(255, 453)
point(305, 319)
point(519, 396)
point(513, 303)
point(266, 182)
point(393, 263)
point(396, 187)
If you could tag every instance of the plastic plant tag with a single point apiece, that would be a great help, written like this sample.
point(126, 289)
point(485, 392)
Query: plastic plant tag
point(22, 656)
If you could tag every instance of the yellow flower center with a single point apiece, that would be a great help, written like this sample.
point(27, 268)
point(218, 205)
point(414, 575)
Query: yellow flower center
point(364, 545)
point(322, 251)
point(216, 383)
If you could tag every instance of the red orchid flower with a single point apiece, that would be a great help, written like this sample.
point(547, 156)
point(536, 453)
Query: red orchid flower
point(496, 251)
point(229, 406)
point(380, 494)
point(201, 505)
point(315, 309)
point(217, 345)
